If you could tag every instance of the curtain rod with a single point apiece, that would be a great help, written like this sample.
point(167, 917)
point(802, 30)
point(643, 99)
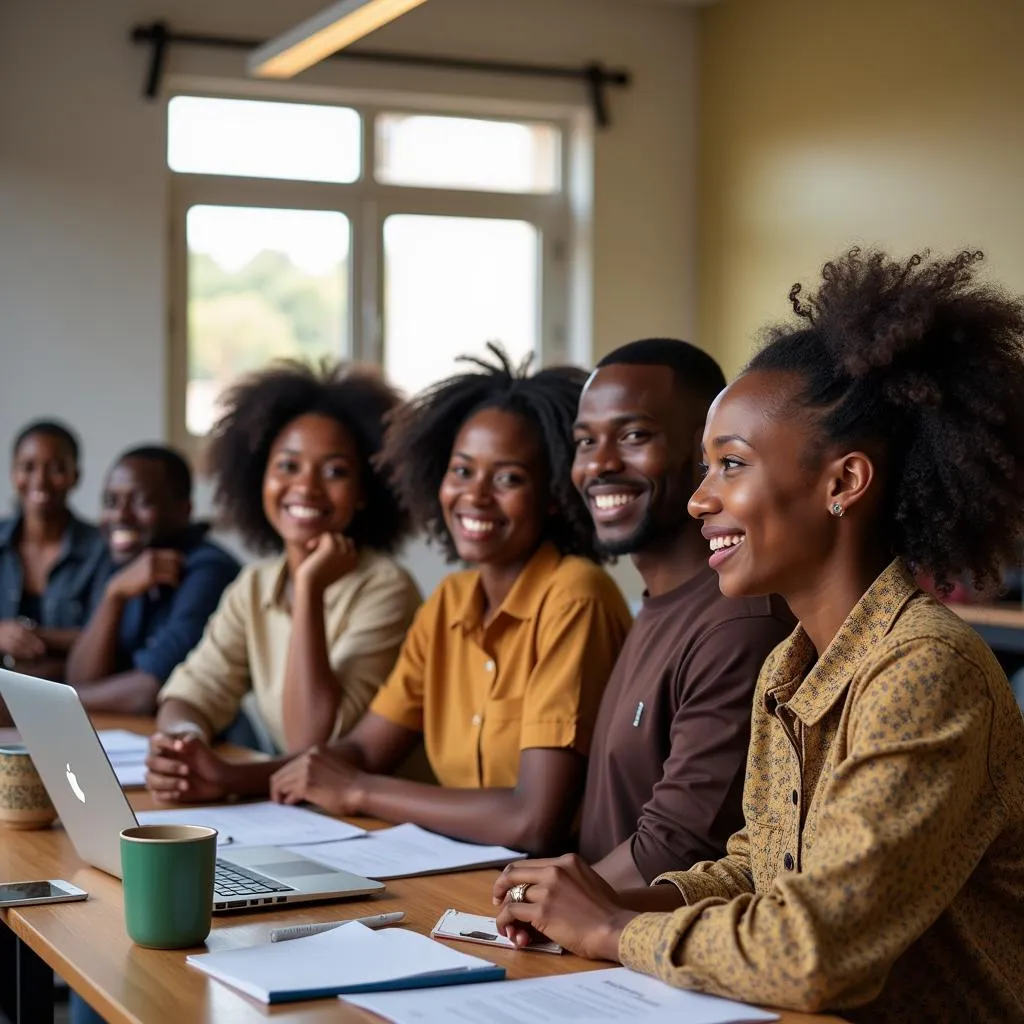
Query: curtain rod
point(159, 36)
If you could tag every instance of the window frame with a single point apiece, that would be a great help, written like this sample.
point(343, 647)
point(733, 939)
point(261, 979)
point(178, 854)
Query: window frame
point(559, 217)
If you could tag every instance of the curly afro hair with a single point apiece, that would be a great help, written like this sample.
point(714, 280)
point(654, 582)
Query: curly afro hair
point(261, 405)
point(926, 363)
point(422, 434)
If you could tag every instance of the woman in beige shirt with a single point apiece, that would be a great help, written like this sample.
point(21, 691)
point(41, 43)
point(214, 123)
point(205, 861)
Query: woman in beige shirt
point(880, 872)
point(313, 632)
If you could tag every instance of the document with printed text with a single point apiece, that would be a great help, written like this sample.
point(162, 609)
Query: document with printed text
point(594, 996)
point(407, 850)
point(260, 824)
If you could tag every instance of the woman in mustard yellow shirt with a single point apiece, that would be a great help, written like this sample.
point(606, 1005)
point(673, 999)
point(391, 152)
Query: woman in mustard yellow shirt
point(880, 872)
point(504, 666)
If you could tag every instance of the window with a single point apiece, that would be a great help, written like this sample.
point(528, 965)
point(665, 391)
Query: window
point(451, 284)
point(263, 284)
point(394, 237)
point(459, 152)
point(263, 140)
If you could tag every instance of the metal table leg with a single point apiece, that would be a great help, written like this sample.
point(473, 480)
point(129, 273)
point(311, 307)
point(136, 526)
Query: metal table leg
point(26, 982)
point(35, 987)
point(8, 972)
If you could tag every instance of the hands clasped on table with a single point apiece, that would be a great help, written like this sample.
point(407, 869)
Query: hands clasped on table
point(183, 768)
point(320, 777)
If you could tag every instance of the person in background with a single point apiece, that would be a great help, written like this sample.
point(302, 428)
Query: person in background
point(313, 632)
point(880, 871)
point(665, 777)
point(167, 580)
point(51, 563)
point(504, 667)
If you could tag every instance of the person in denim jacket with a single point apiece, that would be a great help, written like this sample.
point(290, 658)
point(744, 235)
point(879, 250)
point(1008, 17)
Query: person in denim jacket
point(51, 562)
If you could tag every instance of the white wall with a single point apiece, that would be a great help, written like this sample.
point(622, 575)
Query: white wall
point(83, 182)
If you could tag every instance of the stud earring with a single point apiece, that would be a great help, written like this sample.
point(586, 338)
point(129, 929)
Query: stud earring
point(837, 510)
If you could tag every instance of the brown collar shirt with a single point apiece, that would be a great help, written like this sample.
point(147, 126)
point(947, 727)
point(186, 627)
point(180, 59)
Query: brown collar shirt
point(880, 872)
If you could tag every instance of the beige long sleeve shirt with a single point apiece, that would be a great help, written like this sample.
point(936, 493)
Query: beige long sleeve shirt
point(880, 873)
point(245, 647)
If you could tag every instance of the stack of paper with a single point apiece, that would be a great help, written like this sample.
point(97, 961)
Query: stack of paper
point(260, 824)
point(408, 850)
point(615, 995)
point(127, 753)
point(352, 958)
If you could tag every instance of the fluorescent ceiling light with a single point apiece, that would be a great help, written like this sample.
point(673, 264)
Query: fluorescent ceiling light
point(333, 29)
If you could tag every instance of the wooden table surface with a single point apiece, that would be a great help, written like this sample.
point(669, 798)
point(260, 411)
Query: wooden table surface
point(87, 945)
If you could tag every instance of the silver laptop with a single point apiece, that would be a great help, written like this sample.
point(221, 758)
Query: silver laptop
point(93, 809)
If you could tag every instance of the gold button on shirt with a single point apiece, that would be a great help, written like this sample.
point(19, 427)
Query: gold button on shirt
point(532, 677)
point(880, 873)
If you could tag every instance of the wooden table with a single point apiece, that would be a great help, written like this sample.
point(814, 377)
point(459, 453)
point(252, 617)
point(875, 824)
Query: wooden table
point(1000, 625)
point(87, 945)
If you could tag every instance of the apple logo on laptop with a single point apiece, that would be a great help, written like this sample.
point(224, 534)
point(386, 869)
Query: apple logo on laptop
point(73, 782)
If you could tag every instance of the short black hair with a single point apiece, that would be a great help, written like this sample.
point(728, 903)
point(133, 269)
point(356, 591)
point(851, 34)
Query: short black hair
point(51, 428)
point(925, 363)
point(696, 373)
point(259, 406)
point(422, 434)
point(177, 471)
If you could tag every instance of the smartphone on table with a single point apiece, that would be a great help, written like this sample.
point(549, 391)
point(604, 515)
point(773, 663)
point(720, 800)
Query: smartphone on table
point(53, 890)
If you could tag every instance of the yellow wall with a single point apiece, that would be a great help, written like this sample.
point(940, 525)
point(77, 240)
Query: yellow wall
point(830, 122)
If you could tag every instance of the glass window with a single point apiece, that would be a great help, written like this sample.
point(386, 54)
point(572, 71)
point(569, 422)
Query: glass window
point(467, 153)
point(262, 284)
point(251, 138)
point(451, 284)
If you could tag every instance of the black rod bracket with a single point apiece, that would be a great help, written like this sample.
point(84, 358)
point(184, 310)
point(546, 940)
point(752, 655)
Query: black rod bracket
point(158, 36)
point(157, 55)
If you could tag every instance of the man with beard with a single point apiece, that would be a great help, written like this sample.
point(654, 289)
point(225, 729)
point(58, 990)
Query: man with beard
point(665, 776)
point(166, 580)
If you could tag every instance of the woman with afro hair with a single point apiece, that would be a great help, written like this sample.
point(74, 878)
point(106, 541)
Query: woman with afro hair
point(504, 667)
point(314, 630)
point(880, 871)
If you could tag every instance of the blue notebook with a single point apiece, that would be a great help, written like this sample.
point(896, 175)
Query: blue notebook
point(343, 961)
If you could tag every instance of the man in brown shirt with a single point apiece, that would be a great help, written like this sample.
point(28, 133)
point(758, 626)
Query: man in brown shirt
point(665, 777)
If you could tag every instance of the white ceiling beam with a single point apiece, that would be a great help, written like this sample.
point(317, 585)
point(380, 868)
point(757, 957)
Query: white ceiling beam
point(330, 30)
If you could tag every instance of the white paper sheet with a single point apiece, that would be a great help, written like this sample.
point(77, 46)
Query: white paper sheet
point(346, 957)
point(407, 850)
point(595, 996)
point(127, 753)
point(121, 741)
point(131, 776)
point(261, 824)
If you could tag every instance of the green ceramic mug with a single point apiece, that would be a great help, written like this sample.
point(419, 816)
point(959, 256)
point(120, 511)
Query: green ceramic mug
point(167, 872)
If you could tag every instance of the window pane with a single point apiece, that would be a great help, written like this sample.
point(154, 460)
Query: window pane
point(254, 139)
point(461, 152)
point(451, 284)
point(262, 284)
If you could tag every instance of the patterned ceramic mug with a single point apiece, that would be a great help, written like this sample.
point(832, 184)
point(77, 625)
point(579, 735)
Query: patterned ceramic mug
point(24, 802)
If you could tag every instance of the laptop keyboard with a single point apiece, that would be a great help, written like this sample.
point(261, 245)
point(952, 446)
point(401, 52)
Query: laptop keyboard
point(230, 881)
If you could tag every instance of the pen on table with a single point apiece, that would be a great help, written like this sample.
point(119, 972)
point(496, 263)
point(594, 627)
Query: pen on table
point(300, 931)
